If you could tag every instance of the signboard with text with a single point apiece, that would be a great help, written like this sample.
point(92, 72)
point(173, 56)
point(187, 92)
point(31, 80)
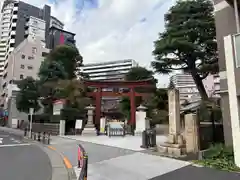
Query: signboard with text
point(58, 106)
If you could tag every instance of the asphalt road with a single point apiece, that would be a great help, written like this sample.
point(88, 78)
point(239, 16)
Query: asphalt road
point(196, 173)
point(22, 161)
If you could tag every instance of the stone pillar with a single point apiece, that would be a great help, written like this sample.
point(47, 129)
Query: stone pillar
point(175, 145)
point(174, 112)
point(141, 122)
point(62, 127)
point(191, 133)
point(90, 127)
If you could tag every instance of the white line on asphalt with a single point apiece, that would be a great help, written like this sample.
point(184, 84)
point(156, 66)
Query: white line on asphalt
point(13, 145)
point(16, 141)
point(4, 135)
point(1, 139)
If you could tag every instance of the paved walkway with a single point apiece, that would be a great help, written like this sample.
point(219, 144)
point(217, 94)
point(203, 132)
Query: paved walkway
point(107, 162)
point(127, 142)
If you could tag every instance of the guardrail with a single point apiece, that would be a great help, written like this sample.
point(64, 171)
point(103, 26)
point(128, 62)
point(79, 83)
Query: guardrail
point(40, 136)
point(82, 162)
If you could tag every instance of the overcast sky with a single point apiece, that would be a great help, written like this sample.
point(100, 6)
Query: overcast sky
point(112, 29)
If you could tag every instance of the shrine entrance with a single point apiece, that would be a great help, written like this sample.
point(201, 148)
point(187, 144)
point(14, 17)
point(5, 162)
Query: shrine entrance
point(125, 88)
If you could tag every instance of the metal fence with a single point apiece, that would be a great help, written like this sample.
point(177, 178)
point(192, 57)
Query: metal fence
point(82, 162)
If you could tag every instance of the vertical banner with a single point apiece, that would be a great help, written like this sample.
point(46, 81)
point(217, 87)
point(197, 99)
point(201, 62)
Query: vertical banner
point(102, 124)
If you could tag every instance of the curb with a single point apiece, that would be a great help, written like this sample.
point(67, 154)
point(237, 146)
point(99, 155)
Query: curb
point(67, 163)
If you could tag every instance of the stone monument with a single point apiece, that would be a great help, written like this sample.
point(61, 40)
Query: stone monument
point(141, 122)
point(191, 133)
point(62, 127)
point(89, 127)
point(175, 145)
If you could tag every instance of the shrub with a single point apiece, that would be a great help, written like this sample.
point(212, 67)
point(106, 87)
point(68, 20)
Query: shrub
point(219, 157)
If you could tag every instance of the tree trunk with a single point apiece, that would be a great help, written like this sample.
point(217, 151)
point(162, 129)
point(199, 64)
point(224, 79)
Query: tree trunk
point(199, 84)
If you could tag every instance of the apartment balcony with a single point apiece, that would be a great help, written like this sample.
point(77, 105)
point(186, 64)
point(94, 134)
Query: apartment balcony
point(12, 41)
point(14, 24)
point(15, 8)
point(2, 44)
point(2, 53)
point(5, 20)
point(12, 32)
point(11, 49)
point(5, 38)
point(15, 16)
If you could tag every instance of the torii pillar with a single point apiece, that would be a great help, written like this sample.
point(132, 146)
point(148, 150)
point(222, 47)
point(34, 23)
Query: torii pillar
point(98, 105)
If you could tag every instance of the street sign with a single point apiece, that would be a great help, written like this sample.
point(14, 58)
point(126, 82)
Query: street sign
point(31, 111)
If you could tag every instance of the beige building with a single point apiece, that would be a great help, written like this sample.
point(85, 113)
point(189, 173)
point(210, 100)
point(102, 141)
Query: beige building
point(228, 39)
point(24, 61)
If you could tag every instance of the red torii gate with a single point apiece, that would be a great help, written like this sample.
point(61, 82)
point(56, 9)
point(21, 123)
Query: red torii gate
point(118, 84)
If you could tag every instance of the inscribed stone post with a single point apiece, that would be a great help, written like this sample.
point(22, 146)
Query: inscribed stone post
point(191, 133)
point(174, 112)
point(62, 127)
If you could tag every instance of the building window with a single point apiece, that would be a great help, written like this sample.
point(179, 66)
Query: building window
point(35, 22)
point(237, 52)
point(21, 76)
point(22, 66)
point(34, 50)
point(23, 56)
point(30, 67)
point(30, 57)
point(44, 54)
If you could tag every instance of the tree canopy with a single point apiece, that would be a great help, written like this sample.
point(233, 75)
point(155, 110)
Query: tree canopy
point(28, 95)
point(67, 56)
point(58, 69)
point(188, 42)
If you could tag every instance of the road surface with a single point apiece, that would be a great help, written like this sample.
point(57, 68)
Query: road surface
point(22, 161)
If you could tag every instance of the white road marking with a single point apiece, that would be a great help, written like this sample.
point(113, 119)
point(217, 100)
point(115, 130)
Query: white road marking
point(13, 145)
point(17, 141)
point(14, 140)
point(1, 139)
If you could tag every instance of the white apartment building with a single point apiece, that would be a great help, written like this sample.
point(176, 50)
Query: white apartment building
point(35, 27)
point(108, 71)
point(5, 41)
point(188, 90)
